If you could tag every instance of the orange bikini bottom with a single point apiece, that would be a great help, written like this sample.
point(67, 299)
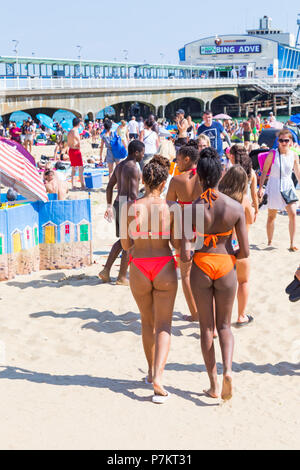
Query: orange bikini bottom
point(215, 265)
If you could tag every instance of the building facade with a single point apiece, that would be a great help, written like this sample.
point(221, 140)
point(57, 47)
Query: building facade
point(261, 53)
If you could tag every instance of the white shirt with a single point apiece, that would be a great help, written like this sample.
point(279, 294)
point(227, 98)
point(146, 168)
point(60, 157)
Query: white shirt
point(133, 127)
point(150, 141)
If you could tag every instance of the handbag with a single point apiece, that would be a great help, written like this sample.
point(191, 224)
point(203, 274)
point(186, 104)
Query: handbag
point(288, 195)
point(117, 148)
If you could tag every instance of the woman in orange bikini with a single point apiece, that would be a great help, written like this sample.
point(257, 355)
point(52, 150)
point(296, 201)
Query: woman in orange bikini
point(184, 189)
point(153, 279)
point(213, 277)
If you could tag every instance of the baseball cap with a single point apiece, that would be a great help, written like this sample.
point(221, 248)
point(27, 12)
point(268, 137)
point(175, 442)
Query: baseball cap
point(180, 111)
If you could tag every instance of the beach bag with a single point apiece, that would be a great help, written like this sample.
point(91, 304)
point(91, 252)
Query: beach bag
point(289, 195)
point(117, 148)
point(262, 158)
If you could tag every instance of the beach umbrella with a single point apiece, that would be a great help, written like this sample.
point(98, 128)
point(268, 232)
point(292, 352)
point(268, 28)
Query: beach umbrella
point(19, 116)
point(20, 148)
point(46, 121)
point(67, 125)
point(164, 132)
point(222, 116)
point(295, 118)
point(276, 125)
point(18, 173)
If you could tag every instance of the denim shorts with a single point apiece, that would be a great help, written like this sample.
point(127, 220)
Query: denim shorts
point(110, 157)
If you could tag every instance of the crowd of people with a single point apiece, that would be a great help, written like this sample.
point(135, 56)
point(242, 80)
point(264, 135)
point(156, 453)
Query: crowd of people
point(184, 207)
point(195, 212)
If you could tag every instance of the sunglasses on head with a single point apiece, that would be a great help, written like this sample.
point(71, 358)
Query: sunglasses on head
point(286, 141)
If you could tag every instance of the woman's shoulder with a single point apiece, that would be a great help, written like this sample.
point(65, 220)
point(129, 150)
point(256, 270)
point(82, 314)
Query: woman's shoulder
point(229, 202)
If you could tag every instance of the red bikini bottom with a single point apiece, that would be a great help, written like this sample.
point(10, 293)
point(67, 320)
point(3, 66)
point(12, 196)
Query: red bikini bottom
point(151, 267)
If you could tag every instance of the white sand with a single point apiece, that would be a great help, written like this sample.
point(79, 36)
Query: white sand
point(71, 376)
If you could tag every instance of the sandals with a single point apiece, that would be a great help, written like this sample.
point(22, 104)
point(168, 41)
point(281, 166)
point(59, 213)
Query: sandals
point(244, 323)
point(293, 290)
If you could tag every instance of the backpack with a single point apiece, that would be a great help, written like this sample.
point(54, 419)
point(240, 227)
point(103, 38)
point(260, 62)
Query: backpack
point(117, 148)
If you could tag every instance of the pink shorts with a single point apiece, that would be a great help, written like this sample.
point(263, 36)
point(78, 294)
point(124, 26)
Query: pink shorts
point(75, 157)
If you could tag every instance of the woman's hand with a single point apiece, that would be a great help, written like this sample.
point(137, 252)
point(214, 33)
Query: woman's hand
point(109, 214)
point(260, 193)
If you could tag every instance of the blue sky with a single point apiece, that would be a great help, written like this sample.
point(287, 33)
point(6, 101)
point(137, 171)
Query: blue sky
point(151, 31)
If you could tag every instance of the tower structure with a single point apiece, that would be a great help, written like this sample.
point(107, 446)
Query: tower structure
point(298, 33)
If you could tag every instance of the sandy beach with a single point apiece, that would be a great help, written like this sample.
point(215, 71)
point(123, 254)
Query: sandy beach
point(72, 363)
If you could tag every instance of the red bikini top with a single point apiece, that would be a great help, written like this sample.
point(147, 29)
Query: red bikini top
point(155, 234)
point(194, 172)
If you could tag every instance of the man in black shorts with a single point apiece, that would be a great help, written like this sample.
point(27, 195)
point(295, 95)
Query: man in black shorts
point(127, 176)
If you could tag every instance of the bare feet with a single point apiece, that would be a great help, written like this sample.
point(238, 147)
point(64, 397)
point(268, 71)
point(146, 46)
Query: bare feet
point(293, 248)
point(158, 388)
point(122, 281)
point(212, 392)
point(227, 388)
point(104, 275)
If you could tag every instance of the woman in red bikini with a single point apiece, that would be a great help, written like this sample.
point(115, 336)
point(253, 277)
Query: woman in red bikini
point(185, 188)
point(148, 232)
point(213, 277)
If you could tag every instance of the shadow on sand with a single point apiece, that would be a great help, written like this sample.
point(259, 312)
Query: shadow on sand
point(119, 386)
point(108, 322)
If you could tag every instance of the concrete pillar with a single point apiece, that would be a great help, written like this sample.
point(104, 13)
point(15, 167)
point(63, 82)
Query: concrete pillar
point(247, 111)
point(290, 105)
point(274, 105)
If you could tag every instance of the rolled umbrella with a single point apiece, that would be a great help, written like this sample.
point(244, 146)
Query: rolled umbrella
point(46, 121)
point(20, 148)
point(18, 173)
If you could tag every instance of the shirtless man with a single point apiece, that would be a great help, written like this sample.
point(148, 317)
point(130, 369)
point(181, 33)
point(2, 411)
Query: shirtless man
point(75, 153)
point(182, 126)
point(185, 188)
point(247, 133)
point(54, 185)
point(126, 176)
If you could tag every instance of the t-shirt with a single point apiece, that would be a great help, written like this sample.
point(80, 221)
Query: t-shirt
point(133, 127)
point(214, 133)
point(13, 134)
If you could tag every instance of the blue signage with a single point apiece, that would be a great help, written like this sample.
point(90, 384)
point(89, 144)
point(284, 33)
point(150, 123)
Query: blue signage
point(234, 49)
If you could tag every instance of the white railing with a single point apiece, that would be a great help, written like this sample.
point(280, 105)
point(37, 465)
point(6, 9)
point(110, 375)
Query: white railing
point(270, 84)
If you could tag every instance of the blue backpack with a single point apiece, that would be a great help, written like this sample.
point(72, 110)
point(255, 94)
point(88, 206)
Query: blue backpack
point(117, 148)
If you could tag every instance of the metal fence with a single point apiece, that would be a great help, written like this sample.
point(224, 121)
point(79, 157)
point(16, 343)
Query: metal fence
point(62, 83)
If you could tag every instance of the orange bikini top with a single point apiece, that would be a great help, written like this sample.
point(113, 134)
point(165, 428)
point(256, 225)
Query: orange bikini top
point(210, 196)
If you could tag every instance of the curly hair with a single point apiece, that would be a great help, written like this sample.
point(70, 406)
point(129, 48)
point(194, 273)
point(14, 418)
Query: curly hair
point(209, 167)
point(156, 171)
point(242, 158)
